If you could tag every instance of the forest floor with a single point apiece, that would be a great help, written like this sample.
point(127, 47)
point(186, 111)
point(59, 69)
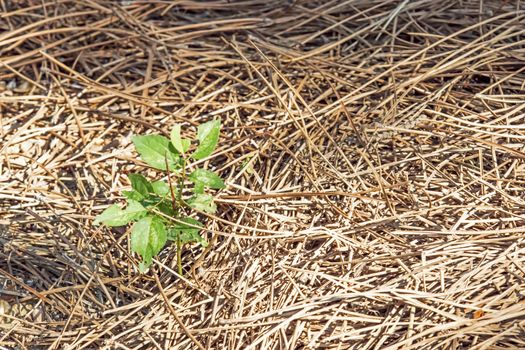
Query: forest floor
point(373, 153)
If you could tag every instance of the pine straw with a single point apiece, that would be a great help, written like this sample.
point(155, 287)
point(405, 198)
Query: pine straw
point(373, 150)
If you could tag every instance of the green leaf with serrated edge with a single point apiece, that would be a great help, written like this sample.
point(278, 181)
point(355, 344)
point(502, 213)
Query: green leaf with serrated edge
point(203, 202)
point(158, 235)
point(115, 216)
point(180, 144)
point(161, 188)
point(140, 236)
point(155, 150)
point(133, 195)
point(206, 178)
point(148, 237)
point(208, 136)
point(112, 216)
point(140, 184)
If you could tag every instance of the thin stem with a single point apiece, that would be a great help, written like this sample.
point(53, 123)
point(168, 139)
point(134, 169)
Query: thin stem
point(179, 255)
point(176, 206)
point(181, 180)
point(180, 188)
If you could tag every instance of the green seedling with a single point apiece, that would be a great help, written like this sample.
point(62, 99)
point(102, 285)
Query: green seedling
point(159, 209)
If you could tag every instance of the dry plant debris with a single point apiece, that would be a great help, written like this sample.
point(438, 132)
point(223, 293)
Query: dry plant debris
point(373, 151)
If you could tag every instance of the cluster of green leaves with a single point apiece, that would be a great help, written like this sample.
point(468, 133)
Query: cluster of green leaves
point(158, 208)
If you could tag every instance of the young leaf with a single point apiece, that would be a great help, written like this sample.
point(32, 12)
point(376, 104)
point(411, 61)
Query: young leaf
point(180, 144)
point(112, 216)
point(203, 202)
point(148, 237)
point(208, 135)
point(161, 188)
point(206, 178)
point(140, 184)
point(155, 149)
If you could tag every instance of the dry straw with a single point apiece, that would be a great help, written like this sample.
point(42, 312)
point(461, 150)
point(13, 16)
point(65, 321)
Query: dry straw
point(373, 150)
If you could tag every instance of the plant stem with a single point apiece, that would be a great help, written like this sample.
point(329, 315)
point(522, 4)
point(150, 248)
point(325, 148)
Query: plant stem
point(181, 180)
point(179, 255)
point(175, 204)
point(181, 204)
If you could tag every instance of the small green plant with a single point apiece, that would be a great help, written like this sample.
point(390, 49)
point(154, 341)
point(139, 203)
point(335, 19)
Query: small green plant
point(158, 208)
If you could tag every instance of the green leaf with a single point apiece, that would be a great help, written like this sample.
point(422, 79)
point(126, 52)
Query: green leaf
point(206, 178)
point(112, 216)
point(203, 202)
point(140, 184)
point(143, 267)
point(180, 144)
point(188, 231)
point(135, 210)
point(198, 188)
point(161, 188)
point(166, 207)
point(155, 149)
point(148, 237)
point(190, 236)
point(176, 139)
point(148, 257)
point(140, 236)
point(133, 195)
point(208, 135)
point(158, 236)
point(186, 143)
point(187, 223)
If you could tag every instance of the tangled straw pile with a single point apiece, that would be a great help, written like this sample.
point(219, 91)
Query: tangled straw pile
point(373, 150)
